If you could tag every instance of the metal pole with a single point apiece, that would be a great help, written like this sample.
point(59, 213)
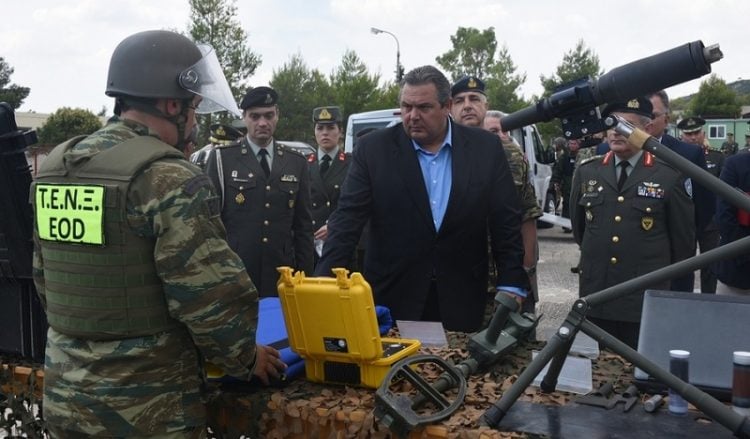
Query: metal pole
point(376, 31)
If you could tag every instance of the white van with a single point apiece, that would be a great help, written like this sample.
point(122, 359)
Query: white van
point(540, 157)
point(370, 119)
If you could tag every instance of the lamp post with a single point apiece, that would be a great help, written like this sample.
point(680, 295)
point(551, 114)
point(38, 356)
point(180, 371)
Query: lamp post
point(399, 70)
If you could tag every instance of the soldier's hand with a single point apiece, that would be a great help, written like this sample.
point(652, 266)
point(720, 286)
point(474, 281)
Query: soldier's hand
point(321, 233)
point(268, 364)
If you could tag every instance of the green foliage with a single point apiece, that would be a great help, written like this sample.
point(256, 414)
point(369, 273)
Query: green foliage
point(300, 90)
point(66, 123)
point(715, 99)
point(215, 22)
point(354, 88)
point(476, 53)
point(576, 64)
point(11, 93)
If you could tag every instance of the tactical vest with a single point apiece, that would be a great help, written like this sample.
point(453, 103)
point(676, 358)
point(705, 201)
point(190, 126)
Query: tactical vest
point(100, 276)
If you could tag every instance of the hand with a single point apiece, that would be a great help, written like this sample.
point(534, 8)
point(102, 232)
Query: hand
point(268, 364)
point(321, 233)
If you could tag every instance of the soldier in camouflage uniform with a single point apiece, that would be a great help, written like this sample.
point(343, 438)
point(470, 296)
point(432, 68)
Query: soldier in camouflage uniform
point(562, 175)
point(469, 107)
point(131, 263)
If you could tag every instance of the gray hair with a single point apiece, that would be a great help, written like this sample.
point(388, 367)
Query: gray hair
point(429, 75)
point(495, 114)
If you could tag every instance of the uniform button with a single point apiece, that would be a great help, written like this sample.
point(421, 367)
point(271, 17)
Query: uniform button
point(268, 205)
point(265, 222)
point(618, 218)
point(265, 239)
point(613, 261)
point(588, 204)
point(268, 188)
point(648, 209)
point(315, 204)
point(620, 198)
point(615, 239)
point(335, 186)
point(242, 187)
point(313, 222)
point(328, 204)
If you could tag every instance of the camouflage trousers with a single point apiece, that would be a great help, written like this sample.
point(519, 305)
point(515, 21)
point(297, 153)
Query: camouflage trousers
point(191, 433)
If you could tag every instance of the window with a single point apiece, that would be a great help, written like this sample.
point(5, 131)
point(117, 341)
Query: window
point(717, 132)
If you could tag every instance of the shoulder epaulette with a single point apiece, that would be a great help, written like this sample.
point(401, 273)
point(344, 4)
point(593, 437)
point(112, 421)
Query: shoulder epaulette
point(285, 148)
point(228, 145)
point(591, 159)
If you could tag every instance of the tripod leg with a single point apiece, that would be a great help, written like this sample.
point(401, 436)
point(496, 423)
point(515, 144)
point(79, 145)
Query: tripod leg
point(549, 383)
point(496, 413)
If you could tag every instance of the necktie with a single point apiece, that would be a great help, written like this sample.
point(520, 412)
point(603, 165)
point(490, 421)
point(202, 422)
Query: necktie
point(623, 173)
point(264, 161)
point(325, 165)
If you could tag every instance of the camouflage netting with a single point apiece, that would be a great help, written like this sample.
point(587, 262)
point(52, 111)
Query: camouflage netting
point(20, 399)
point(308, 410)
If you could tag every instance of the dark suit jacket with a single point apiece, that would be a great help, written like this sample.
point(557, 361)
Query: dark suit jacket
point(268, 220)
point(630, 232)
point(733, 272)
point(404, 251)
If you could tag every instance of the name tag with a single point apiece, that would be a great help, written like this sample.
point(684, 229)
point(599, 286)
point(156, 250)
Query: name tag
point(70, 213)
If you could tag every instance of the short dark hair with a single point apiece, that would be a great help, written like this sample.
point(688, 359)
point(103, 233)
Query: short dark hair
point(663, 96)
point(429, 75)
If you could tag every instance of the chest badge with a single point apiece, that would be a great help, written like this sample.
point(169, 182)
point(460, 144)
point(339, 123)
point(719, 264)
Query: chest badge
point(589, 216)
point(239, 199)
point(647, 223)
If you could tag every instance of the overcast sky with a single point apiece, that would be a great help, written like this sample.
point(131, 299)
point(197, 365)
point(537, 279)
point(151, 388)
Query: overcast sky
point(61, 49)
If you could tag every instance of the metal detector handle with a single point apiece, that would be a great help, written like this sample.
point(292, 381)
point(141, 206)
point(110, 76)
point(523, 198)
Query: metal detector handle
point(397, 411)
point(549, 382)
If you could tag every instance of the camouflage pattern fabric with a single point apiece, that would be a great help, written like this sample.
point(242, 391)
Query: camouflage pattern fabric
point(153, 385)
point(519, 168)
point(305, 409)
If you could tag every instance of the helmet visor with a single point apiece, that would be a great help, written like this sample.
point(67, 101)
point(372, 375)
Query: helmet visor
point(206, 79)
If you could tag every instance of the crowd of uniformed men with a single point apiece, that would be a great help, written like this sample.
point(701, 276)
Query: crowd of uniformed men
point(167, 273)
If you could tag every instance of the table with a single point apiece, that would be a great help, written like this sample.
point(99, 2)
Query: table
point(307, 410)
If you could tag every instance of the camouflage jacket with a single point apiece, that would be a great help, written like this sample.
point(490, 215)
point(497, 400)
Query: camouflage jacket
point(519, 167)
point(152, 385)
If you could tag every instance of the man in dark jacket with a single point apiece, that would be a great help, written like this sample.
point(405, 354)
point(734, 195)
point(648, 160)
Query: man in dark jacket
point(431, 190)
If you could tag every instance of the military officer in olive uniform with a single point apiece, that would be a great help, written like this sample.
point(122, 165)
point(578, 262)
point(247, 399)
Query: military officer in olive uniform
point(631, 214)
point(708, 238)
point(264, 191)
point(328, 167)
point(221, 134)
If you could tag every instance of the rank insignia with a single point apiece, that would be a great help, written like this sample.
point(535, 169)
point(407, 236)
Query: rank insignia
point(342, 156)
point(647, 223)
point(589, 216)
point(311, 158)
point(244, 151)
point(234, 174)
point(289, 177)
point(239, 199)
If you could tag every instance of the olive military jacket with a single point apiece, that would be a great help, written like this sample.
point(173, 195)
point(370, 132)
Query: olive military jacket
point(268, 220)
point(325, 189)
point(626, 233)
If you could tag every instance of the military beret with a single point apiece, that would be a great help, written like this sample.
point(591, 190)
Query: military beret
point(326, 115)
point(259, 97)
point(640, 105)
point(221, 132)
point(691, 124)
point(467, 83)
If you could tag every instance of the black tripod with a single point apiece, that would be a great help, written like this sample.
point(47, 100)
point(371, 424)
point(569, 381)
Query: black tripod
point(559, 344)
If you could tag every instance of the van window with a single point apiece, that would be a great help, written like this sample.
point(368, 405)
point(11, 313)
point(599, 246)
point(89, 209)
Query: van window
point(359, 126)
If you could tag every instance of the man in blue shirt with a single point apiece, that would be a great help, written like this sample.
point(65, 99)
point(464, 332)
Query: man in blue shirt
point(430, 190)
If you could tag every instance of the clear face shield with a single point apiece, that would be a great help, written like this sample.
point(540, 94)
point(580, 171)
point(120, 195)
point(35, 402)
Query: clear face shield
point(206, 79)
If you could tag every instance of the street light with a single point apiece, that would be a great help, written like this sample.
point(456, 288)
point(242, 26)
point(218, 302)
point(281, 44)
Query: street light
point(399, 70)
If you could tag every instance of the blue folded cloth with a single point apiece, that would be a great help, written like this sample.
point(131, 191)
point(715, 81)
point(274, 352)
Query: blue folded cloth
point(272, 332)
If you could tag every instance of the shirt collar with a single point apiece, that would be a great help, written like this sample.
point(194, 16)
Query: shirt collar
point(256, 148)
point(632, 160)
